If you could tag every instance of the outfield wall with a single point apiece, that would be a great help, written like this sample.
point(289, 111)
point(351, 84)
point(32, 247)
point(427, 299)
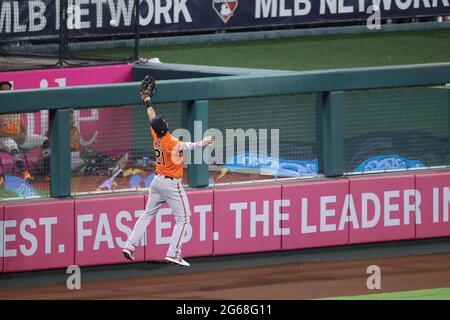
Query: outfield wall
point(49, 234)
point(344, 211)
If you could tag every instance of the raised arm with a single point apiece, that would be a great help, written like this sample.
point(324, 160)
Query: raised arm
point(147, 90)
point(193, 145)
point(150, 111)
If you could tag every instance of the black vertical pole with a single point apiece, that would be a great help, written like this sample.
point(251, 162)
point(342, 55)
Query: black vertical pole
point(319, 136)
point(136, 29)
point(62, 32)
point(61, 55)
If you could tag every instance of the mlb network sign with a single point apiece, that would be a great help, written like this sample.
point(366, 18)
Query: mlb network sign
point(89, 18)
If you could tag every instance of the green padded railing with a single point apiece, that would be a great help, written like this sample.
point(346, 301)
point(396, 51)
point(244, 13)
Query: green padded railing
point(195, 93)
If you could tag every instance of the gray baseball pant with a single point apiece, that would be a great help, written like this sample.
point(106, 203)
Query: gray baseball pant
point(164, 190)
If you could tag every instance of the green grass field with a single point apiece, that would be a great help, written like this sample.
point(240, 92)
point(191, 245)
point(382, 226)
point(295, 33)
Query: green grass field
point(428, 294)
point(306, 53)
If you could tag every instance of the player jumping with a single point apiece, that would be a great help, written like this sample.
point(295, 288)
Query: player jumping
point(167, 184)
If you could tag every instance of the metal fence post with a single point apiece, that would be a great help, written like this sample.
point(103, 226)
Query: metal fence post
point(333, 133)
point(136, 29)
point(448, 90)
point(60, 161)
point(63, 46)
point(196, 111)
point(319, 129)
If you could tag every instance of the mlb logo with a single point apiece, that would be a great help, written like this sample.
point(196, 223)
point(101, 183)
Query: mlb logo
point(225, 8)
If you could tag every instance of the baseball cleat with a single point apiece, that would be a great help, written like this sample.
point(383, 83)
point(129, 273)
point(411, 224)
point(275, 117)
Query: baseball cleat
point(128, 254)
point(178, 260)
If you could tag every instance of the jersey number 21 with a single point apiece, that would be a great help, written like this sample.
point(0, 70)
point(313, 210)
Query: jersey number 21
point(160, 157)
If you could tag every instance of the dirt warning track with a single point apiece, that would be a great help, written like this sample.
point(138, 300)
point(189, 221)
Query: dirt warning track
point(309, 280)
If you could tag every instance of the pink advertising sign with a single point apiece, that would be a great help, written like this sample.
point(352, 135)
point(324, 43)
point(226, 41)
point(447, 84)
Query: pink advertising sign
point(245, 219)
point(385, 208)
point(434, 208)
point(38, 235)
point(198, 239)
point(102, 226)
point(68, 77)
point(315, 214)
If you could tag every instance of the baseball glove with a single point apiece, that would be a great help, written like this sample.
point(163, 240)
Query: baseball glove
point(148, 87)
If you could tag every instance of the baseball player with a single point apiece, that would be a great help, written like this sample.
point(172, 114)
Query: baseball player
point(167, 184)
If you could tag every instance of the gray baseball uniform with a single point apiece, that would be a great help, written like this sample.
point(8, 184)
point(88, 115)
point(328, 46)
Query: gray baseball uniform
point(165, 188)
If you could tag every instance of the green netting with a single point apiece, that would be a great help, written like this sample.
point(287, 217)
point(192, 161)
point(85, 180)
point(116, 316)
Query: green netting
point(295, 118)
point(396, 128)
point(115, 151)
point(24, 157)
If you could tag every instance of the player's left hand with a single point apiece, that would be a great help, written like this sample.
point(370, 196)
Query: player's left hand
point(208, 140)
point(145, 98)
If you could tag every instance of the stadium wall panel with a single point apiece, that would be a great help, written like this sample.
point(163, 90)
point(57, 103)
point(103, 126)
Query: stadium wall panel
point(38, 235)
point(102, 226)
point(245, 219)
point(384, 209)
point(303, 227)
point(199, 236)
point(434, 189)
point(91, 231)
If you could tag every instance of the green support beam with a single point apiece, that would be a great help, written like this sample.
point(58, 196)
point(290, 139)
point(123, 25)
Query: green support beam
point(195, 119)
point(333, 133)
point(199, 91)
point(60, 162)
point(227, 87)
point(319, 131)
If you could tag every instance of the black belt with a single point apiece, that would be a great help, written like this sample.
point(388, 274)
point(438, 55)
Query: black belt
point(167, 177)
